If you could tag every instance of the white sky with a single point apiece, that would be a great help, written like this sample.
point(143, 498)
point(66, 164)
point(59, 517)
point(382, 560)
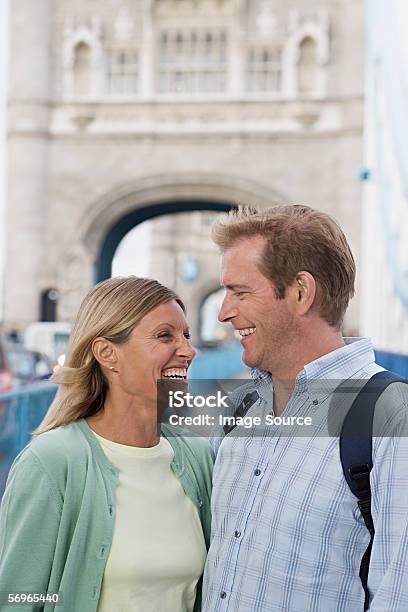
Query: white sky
point(402, 18)
point(3, 80)
point(133, 253)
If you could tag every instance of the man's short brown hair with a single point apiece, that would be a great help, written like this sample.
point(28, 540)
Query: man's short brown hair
point(298, 238)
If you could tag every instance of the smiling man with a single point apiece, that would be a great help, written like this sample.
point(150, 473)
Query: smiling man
point(287, 534)
point(252, 306)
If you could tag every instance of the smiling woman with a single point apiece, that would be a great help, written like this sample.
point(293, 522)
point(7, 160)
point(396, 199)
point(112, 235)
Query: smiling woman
point(103, 472)
point(127, 331)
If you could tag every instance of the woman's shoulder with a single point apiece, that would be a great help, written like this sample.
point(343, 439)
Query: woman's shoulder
point(48, 458)
point(55, 449)
point(58, 440)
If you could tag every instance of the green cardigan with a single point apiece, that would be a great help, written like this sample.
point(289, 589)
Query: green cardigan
point(58, 512)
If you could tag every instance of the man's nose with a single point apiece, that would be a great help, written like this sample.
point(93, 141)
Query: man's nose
point(227, 311)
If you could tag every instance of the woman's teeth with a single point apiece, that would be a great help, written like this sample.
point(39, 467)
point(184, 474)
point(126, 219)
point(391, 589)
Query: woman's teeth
point(175, 373)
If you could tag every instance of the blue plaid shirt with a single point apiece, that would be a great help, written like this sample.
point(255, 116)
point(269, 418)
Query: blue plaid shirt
point(287, 534)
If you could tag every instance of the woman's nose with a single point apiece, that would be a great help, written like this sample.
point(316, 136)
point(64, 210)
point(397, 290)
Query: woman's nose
point(186, 350)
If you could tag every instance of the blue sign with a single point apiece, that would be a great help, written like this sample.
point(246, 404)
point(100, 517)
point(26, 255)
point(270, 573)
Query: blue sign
point(189, 269)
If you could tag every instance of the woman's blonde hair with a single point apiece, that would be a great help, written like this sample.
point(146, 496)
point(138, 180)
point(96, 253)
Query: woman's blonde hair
point(111, 309)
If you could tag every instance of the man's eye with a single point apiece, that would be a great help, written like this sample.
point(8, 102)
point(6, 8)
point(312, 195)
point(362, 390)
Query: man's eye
point(187, 335)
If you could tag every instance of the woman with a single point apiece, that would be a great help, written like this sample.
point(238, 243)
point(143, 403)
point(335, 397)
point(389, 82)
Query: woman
point(99, 507)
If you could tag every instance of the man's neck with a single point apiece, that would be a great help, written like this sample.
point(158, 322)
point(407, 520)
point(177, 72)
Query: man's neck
point(284, 376)
point(282, 391)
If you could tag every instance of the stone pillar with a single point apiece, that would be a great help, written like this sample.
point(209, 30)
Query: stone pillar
point(236, 56)
point(28, 119)
point(147, 51)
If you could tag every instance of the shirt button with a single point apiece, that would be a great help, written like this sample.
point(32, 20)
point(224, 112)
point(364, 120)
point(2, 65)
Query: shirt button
point(315, 402)
point(223, 594)
point(237, 534)
point(257, 472)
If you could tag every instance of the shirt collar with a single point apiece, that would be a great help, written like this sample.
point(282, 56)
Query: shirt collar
point(321, 376)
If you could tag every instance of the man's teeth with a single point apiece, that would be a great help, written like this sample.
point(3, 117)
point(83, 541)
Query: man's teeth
point(247, 331)
point(175, 373)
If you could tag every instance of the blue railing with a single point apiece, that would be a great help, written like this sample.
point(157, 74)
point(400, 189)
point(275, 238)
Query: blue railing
point(218, 363)
point(394, 362)
point(21, 411)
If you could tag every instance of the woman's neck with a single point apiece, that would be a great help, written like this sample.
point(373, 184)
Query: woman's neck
point(127, 422)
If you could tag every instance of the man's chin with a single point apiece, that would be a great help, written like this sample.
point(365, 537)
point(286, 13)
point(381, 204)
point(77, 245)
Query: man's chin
point(250, 361)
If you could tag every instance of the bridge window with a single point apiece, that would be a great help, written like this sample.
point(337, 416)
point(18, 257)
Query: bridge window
point(203, 222)
point(122, 72)
point(264, 69)
point(82, 69)
point(308, 67)
point(192, 62)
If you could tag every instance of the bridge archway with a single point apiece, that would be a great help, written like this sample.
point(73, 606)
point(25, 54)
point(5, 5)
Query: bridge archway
point(103, 263)
point(205, 189)
point(88, 258)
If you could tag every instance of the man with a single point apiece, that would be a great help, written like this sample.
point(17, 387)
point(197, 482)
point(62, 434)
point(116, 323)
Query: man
point(287, 534)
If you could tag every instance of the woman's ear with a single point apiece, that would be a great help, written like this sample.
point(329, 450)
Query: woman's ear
point(105, 353)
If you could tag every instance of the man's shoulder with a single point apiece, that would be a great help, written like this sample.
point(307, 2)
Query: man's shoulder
point(391, 411)
point(237, 396)
point(184, 439)
point(235, 400)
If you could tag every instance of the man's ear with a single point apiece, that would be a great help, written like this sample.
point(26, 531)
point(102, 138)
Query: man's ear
point(303, 290)
point(105, 353)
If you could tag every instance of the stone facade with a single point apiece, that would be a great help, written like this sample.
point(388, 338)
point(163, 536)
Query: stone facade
point(114, 107)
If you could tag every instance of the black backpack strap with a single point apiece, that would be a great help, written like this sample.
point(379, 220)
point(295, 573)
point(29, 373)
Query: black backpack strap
point(356, 455)
point(248, 401)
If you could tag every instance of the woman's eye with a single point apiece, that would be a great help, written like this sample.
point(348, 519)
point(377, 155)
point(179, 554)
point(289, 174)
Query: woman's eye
point(168, 335)
point(164, 335)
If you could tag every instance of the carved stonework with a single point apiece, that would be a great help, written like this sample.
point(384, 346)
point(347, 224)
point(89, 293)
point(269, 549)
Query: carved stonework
point(85, 33)
point(124, 26)
point(315, 26)
point(266, 20)
point(307, 27)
